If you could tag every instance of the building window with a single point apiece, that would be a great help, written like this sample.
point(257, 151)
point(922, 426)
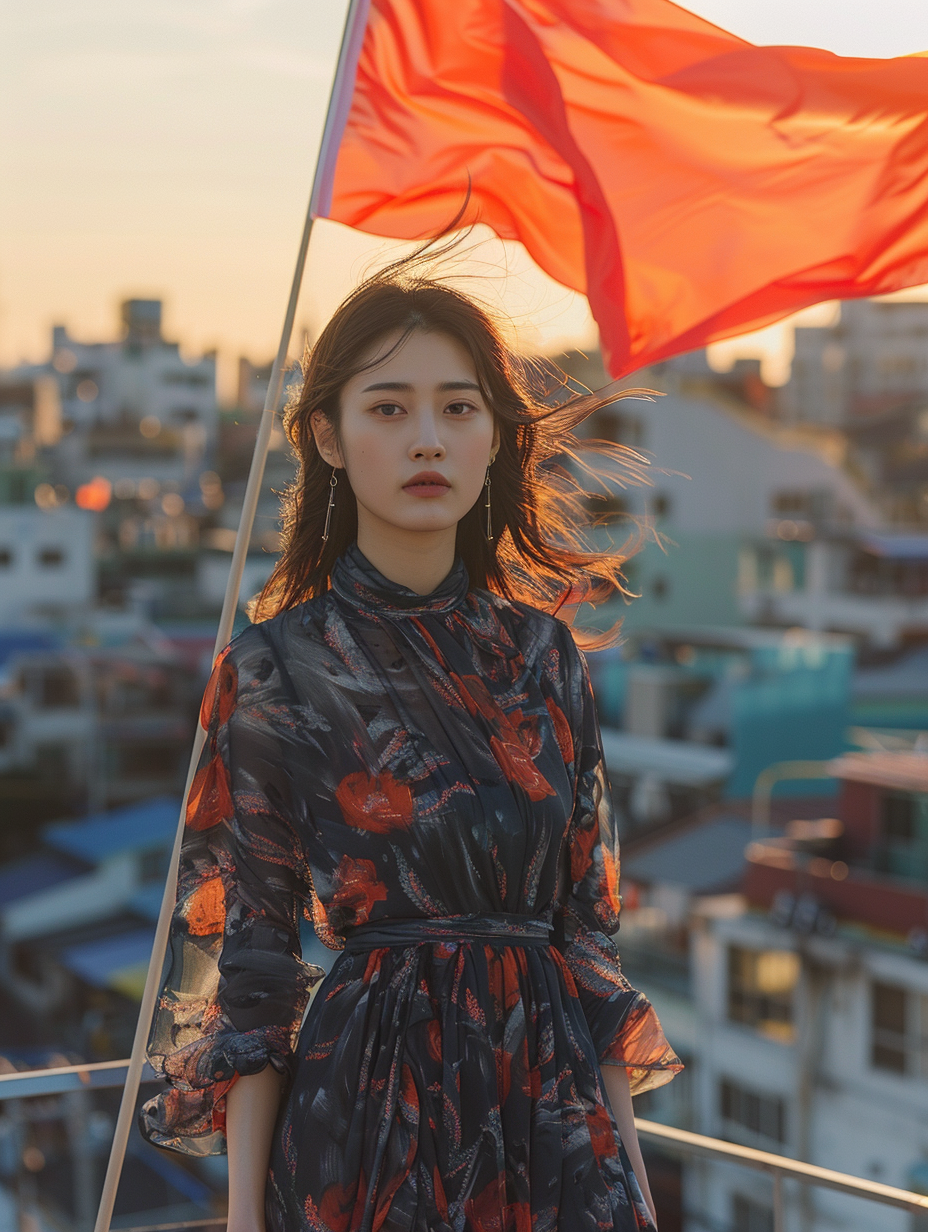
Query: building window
point(606, 507)
point(57, 688)
point(192, 379)
point(156, 759)
point(791, 502)
point(761, 988)
point(660, 506)
point(748, 1215)
point(742, 1109)
point(50, 558)
point(26, 962)
point(6, 557)
point(904, 834)
point(53, 761)
point(899, 1030)
point(612, 425)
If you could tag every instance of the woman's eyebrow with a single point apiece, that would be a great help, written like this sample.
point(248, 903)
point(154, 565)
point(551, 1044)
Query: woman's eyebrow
point(405, 387)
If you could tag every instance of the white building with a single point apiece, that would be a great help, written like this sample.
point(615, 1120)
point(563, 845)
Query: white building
point(873, 585)
point(874, 358)
point(811, 1009)
point(134, 409)
point(762, 522)
point(721, 477)
point(793, 1057)
point(46, 560)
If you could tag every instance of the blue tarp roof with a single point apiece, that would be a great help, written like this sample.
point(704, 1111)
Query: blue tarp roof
point(702, 859)
point(138, 826)
point(20, 641)
point(31, 875)
point(98, 961)
point(897, 547)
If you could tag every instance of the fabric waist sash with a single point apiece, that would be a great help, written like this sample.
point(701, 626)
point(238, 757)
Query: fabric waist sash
point(496, 928)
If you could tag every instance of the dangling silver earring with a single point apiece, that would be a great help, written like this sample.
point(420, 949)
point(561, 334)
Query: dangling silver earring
point(333, 482)
point(487, 507)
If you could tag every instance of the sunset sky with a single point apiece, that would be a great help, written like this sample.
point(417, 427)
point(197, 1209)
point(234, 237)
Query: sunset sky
point(165, 148)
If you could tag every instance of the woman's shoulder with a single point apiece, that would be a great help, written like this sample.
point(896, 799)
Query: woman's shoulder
point(540, 636)
point(257, 640)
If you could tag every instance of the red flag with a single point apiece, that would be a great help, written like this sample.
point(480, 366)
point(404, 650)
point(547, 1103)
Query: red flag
point(692, 185)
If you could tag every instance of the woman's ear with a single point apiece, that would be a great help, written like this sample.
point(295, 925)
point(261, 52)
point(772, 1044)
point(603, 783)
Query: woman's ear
point(494, 448)
point(326, 442)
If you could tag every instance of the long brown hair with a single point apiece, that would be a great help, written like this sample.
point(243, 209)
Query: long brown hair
point(541, 498)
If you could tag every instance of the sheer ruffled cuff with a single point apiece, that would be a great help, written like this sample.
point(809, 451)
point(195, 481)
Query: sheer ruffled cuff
point(190, 1115)
point(623, 1025)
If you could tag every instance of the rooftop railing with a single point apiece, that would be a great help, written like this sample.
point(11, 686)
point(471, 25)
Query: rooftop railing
point(103, 1074)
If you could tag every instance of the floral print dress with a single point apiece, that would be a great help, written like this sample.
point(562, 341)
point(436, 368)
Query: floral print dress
point(423, 777)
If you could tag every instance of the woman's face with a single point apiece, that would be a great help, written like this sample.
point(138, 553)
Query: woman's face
point(415, 435)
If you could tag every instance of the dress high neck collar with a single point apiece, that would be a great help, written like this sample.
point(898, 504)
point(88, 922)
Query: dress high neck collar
point(355, 580)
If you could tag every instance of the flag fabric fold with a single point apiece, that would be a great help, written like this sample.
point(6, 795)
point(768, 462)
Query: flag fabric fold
point(692, 185)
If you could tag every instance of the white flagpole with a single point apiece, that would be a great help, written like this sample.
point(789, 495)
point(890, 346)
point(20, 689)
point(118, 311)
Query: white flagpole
point(319, 202)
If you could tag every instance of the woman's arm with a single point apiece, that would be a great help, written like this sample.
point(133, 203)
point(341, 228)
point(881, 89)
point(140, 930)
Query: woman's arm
point(252, 1104)
point(615, 1079)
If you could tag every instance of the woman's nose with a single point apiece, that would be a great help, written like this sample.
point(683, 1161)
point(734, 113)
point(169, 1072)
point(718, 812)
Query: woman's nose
point(428, 443)
point(432, 450)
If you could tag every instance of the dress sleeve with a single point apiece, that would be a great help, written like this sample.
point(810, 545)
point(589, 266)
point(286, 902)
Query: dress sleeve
point(234, 986)
point(622, 1021)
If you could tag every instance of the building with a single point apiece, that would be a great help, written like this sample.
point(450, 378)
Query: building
point(254, 379)
point(872, 584)
point(82, 907)
point(749, 519)
point(77, 922)
point(47, 560)
point(133, 410)
point(30, 421)
point(868, 375)
point(692, 716)
point(810, 988)
point(722, 478)
point(93, 725)
point(872, 361)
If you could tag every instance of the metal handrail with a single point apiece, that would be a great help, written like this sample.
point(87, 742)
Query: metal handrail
point(218, 1221)
point(91, 1075)
point(100, 1074)
point(780, 772)
point(779, 1166)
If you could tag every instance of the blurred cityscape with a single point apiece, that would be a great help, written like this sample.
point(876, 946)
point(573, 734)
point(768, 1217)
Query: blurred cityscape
point(765, 723)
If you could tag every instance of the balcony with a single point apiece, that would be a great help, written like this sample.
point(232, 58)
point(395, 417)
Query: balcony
point(885, 903)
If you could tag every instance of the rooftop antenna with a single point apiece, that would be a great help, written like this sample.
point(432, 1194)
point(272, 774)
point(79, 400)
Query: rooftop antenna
point(319, 201)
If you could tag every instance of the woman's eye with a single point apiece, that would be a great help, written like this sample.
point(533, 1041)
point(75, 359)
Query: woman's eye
point(389, 410)
point(460, 408)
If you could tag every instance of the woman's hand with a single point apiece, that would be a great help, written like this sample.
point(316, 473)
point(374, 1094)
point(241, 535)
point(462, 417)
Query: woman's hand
point(615, 1080)
point(252, 1104)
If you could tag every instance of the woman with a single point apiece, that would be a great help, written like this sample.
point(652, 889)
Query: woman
point(404, 746)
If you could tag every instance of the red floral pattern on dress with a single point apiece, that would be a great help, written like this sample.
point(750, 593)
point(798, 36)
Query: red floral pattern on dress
point(205, 908)
point(358, 888)
point(375, 801)
point(516, 764)
point(210, 800)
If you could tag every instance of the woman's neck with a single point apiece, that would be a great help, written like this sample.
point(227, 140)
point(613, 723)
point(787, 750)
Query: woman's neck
point(419, 560)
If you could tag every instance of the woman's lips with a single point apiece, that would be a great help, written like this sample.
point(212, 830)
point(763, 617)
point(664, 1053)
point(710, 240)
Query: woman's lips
point(429, 483)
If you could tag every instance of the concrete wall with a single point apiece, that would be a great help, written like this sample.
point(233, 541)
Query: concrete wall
point(25, 581)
